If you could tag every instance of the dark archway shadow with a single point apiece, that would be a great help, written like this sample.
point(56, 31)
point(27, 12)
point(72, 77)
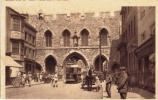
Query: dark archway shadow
point(99, 60)
point(50, 64)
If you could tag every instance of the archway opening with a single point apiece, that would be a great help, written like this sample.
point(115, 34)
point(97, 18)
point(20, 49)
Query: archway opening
point(75, 66)
point(38, 68)
point(100, 63)
point(50, 64)
point(75, 58)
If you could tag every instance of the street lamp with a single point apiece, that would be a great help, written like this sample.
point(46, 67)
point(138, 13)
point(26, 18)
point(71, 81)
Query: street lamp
point(100, 52)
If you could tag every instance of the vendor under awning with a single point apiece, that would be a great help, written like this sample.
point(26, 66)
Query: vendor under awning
point(9, 61)
point(13, 66)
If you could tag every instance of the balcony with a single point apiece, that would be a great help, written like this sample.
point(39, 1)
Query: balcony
point(17, 35)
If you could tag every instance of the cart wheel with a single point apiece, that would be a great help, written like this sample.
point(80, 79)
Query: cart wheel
point(16, 82)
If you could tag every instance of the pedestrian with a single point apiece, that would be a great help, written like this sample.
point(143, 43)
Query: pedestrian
point(55, 80)
point(23, 78)
point(98, 84)
point(90, 72)
point(89, 79)
point(108, 84)
point(123, 83)
point(52, 79)
point(28, 78)
point(38, 76)
point(41, 76)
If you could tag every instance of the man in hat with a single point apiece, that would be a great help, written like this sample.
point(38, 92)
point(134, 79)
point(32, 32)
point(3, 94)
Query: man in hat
point(108, 84)
point(28, 78)
point(123, 83)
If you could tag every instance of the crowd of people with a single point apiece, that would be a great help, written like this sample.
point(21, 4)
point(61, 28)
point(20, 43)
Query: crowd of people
point(120, 79)
point(28, 78)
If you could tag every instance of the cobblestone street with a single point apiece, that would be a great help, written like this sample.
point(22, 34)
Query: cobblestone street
point(46, 91)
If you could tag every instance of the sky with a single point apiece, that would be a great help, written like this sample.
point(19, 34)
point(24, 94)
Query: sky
point(64, 6)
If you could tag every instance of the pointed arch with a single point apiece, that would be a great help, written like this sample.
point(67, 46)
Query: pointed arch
point(84, 37)
point(48, 38)
point(50, 64)
point(66, 37)
point(103, 36)
point(75, 56)
point(100, 62)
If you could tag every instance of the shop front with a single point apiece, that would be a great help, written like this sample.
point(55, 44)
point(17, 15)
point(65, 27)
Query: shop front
point(146, 65)
point(12, 68)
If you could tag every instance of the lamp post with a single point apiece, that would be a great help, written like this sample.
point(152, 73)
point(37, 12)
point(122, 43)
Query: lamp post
point(100, 52)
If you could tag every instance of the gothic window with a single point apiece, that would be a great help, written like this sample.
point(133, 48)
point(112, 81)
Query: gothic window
point(66, 37)
point(84, 37)
point(48, 38)
point(103, 37)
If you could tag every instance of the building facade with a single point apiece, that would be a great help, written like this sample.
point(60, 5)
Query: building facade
point(20, 39)
point(136, 32)
point(146, 48)
point(74, 38)
point(129, 40)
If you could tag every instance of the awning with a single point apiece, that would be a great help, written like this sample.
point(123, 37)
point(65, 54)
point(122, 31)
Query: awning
point(9, 61)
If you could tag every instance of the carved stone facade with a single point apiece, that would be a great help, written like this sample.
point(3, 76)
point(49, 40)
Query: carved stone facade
point(74, 23)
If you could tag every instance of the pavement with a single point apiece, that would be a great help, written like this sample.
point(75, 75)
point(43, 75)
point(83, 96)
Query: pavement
point(134, 93)
point(32, 83)
point(46, 91)
point(70, 91)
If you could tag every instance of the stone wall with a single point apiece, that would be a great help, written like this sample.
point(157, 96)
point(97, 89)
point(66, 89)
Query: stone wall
point(75, 22)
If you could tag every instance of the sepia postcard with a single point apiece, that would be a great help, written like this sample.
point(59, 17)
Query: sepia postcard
point(78, 49)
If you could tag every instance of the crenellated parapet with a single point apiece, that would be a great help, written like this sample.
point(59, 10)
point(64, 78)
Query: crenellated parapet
point(80, 16)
